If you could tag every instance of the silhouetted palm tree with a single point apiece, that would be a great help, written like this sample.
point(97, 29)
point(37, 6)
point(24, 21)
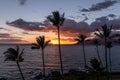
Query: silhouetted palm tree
point(81, 39)
point(15, 55)
point(41, 43)
point(57, 20)
point(109, 46)
point(96, 42)
point(104, 33)
point(95, 68)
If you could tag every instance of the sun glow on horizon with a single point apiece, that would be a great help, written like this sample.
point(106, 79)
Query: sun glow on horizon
point(62, 42)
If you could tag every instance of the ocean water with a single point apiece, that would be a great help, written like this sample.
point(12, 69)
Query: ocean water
point(72, 56)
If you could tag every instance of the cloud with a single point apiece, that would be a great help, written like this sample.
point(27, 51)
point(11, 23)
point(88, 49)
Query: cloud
point(6, 38)
point(11, 41)
point(29, 26)
point(4, 29)
point(112, 15)
point(22, 2)
point(105, 20)
point(100, 6)
point(70, 28)
point(4, 35)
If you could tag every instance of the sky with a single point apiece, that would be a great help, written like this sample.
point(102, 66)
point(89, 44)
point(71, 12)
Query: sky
point(21, 21)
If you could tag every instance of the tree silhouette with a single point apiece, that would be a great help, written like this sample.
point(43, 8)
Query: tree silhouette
point(95, 68)
point(57, 20)
point(41, 44)
point(96, 42)
point(104, 33)
point(81, 39)
point(15, 55)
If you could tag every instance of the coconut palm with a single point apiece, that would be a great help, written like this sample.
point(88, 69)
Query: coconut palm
point(81, 39)
point(96, 42)
point(104, 33)
point(57, 20)
point(15, 55)
point(41, 44)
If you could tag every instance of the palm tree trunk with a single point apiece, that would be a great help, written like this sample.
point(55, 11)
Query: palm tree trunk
point(43, 63)
point(20, 70)
point(61, 64)
point(110, 62)
point(85, 64)
point(106, 60)
point(99, 55)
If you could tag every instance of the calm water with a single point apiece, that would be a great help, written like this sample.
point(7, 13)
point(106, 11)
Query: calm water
point(72, 58)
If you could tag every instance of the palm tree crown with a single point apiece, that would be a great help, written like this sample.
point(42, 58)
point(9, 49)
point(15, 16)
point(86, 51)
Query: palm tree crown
point(14, 54)
point(56, 19)
point(81, 38)
point(40, 43)
point(104, 32)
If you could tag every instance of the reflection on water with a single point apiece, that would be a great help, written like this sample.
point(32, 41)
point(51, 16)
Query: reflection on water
point(72, 58)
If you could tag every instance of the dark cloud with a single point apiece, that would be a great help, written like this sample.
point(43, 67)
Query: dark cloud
point(4, 35)
point(112, 15)
point(100, 6)
point(11, 41)
point(6, 38)
point(30, 26)
point(22, 2)
point(105, 20)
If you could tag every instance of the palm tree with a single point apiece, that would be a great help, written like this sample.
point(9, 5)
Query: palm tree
point(57, 20)
point(96, 42)
point(81, 39)
point(15, 55)
point(104, 33)
point(41, 43)
point(109, 46)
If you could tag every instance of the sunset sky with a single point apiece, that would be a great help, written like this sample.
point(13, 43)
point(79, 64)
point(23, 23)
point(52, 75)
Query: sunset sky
point(21, 21)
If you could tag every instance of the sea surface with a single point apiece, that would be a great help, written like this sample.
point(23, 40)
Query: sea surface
point(72, 56)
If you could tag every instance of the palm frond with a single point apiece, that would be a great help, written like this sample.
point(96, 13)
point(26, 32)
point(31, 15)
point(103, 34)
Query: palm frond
point(35, 46)
point(46, 43)
point(17, 48)
point(98, 35)
point(100, 32)
point(21, 53)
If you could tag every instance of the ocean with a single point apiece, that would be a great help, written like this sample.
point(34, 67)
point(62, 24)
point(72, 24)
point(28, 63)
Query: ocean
point(72, 56)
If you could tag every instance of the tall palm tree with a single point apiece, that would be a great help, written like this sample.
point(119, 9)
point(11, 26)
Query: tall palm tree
point(109, 46)
point(41, 44)
point(104, 33)
point(15, 55)
point(81, 39)
point(96, 42)
point(57, 20)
